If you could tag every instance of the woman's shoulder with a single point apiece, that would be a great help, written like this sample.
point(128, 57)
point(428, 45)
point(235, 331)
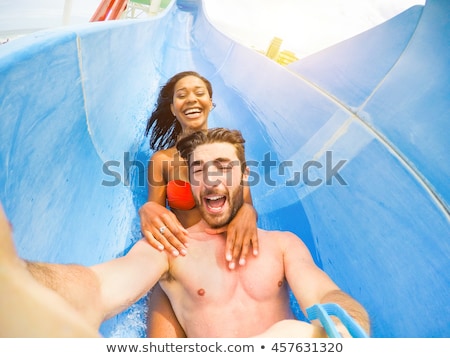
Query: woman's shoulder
point(164, 154)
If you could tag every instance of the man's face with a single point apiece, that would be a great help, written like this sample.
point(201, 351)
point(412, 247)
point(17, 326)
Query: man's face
point(216, 178)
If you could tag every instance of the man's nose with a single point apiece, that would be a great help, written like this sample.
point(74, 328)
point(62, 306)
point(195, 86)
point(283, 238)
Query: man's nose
point(211, 178)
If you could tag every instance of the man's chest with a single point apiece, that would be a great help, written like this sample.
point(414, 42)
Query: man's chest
point(203, 275)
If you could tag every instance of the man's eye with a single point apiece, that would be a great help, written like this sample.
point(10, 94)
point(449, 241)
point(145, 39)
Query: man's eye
point(224, 167)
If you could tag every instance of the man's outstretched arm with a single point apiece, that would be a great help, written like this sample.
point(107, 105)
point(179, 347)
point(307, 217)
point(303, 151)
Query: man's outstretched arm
point(104, 290)
point(78, 285)
point(125, 280)
point(28, 308)
point(311, 285)
point(351, 306)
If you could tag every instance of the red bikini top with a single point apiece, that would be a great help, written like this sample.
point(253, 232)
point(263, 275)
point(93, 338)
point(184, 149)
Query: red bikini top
point(179, 195)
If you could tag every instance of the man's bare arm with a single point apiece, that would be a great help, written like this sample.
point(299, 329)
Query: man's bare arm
point(28, 308)
point(104, 290)
point(77, 284)
point(126, 279)
point(311, 285)
point(353, 308)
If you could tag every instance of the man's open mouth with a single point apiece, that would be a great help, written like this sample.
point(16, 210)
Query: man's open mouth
point(215, 203)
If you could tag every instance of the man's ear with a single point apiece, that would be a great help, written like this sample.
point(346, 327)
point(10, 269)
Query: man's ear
point(245, 175)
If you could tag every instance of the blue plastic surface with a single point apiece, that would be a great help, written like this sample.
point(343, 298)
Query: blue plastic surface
point(358, 133)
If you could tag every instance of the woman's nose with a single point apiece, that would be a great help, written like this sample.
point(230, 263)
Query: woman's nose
point(191, 97)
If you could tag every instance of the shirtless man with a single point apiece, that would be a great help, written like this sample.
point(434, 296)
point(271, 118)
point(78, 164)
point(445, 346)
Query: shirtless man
point(208, 298)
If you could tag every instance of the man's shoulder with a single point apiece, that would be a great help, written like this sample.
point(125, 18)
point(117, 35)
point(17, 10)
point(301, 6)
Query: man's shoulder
point(276, 233)
point(143, 247)
point(284, 238)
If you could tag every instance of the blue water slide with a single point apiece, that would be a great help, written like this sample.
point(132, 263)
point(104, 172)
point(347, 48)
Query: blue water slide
point(348, 148)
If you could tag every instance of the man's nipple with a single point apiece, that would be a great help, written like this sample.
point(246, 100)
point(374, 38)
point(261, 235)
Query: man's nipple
point(201, 292)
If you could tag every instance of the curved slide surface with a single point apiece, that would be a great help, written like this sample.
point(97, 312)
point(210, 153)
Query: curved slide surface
point(348, 148)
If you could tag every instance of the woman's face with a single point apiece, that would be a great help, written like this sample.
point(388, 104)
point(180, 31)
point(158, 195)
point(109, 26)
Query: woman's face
point(191, 103)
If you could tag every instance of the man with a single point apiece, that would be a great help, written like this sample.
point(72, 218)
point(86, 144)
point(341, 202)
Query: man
point(209, 299)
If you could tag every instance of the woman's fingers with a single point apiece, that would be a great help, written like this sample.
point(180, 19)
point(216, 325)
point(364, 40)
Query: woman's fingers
point(173, 238)
point(240, 244)
point(152, 241)
point(164, 240)
point(242, 235)
point(173, 233)
point(162, 229)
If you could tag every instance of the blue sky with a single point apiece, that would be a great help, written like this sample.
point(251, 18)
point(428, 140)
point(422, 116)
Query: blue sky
point(251, 22)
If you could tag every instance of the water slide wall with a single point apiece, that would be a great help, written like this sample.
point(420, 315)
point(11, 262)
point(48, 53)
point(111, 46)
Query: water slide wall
point(348, 148)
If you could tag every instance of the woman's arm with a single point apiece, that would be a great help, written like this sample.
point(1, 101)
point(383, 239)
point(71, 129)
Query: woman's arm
point(161, 320)
point(154, 214)
point(242, 232)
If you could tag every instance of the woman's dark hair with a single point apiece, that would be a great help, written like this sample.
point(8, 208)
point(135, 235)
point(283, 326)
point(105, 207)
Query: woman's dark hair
point(162, 125)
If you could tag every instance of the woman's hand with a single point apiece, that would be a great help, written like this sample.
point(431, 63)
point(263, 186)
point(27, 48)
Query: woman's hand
point(241, 235)
point(162, 229)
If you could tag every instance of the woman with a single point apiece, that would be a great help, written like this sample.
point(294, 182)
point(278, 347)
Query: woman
point(183, 104)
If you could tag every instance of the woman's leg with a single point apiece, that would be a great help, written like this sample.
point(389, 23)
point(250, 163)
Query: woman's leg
point(161, 320)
